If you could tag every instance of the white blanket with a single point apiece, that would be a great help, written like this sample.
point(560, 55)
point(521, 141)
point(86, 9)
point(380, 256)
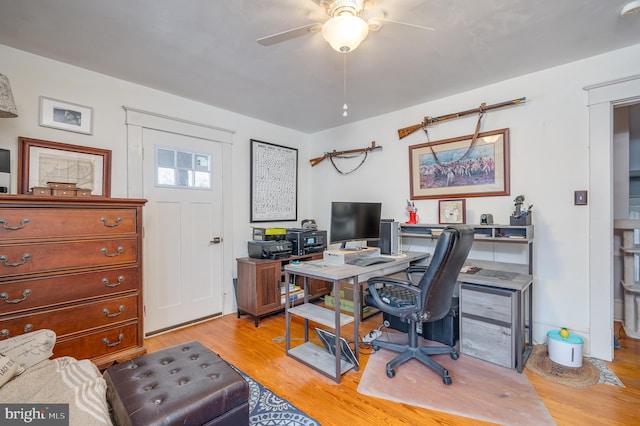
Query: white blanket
point(63, 380)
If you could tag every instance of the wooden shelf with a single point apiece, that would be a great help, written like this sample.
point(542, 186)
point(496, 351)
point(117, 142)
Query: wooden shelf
point(320, 315)
point(491, 233)
point(319, 359)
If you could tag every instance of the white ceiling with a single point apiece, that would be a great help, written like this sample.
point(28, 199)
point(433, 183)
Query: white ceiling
point(206, 50)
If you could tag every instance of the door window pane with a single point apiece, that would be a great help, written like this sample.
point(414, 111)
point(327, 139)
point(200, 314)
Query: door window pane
point(182, 169)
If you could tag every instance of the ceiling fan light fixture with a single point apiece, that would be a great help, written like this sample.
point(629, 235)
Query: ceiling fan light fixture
point(345, 32)
point(631, 8)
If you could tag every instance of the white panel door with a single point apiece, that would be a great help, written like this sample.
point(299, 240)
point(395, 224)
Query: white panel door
point(183, 224)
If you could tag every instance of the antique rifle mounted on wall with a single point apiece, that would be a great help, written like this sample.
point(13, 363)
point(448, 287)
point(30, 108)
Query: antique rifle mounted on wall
point(434, 120)
point(346, 154)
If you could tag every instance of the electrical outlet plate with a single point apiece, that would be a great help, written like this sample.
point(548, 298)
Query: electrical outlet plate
point(580, 198)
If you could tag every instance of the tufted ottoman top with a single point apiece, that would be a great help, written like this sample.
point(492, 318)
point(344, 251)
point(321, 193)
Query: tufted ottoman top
point(186, 384)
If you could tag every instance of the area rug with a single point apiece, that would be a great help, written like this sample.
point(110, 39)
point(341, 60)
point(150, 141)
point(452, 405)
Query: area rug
point(591, 372)
point(480, 390)
point(268, 409)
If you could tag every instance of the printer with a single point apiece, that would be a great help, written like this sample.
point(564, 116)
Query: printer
point(269, 249)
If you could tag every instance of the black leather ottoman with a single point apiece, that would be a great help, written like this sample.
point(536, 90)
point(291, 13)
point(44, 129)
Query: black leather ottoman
point(182, 385)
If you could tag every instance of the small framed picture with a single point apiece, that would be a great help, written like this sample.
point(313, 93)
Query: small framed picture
point(452, 211)
point(66, 116)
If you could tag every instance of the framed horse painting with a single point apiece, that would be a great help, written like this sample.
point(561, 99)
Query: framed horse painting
point(467, 166)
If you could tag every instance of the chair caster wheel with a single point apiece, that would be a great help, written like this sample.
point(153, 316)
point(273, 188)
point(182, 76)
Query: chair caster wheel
point(454, 355)
point(447, 380)
point(375, 347)
point(391, 373)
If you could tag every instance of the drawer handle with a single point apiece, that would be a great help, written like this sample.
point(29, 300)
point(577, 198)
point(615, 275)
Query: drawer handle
point(23, 223)
point(5, 333)
point(106, 252)
point(106, 282)
point(4, 259)
point(111, 345)
point(5, 297)
point(110, 225)
point(120, 310)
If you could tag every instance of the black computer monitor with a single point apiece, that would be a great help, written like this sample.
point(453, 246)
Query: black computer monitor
point(354, 221)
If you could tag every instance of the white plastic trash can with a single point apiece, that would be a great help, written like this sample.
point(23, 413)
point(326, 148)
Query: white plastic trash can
point(565, 351)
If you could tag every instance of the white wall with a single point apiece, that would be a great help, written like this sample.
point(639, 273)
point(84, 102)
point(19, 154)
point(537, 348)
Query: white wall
point(549, 156)
point(549, 161)
point(32, 76)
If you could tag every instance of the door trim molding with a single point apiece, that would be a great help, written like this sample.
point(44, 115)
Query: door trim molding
point(602, 98)
point(137, 120)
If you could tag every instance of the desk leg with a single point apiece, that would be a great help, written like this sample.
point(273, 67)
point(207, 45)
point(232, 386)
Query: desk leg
point(529, 293)
point(336, 293)
point(287, 315)
point(306, 300)
point(357, 314)
point(518, 321)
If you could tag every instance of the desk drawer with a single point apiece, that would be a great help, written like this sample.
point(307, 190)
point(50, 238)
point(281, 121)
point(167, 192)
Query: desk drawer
point(487, 341)
point(486, 302)
point(22, 259)
point(27, 223)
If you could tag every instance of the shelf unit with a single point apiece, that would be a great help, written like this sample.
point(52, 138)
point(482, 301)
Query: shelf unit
point(261, 284)
point(309, 353)
point(496, 303)
point(630, 251)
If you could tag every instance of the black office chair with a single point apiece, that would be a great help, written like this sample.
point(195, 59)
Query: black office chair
point(429, 300)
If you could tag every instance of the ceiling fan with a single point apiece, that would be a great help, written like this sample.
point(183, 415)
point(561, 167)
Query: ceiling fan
point(344, 30)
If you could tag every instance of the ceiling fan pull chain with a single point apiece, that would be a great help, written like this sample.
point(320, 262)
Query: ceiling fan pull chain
point(351, 156)
point(345, 107)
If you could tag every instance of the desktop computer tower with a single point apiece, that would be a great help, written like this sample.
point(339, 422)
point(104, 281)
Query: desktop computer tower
point(446, 330)
point(389, 242)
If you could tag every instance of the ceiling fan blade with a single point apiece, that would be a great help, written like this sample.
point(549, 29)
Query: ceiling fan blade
point(376, 23)
point(289, 34)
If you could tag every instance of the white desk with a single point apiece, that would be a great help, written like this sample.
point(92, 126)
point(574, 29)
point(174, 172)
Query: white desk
point(309, 353)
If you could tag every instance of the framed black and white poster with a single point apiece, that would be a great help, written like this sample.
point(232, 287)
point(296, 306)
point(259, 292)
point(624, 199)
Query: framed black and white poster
point(274, 182)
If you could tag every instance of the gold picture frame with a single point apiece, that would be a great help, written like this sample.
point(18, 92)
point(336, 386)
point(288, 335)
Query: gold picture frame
point(457, 168)
point(451, 212)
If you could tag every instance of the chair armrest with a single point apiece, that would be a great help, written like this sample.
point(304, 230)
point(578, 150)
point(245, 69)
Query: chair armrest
point(415, 269)
point(385, 306)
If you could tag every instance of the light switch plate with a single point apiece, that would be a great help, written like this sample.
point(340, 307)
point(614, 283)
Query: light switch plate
point(580, 198)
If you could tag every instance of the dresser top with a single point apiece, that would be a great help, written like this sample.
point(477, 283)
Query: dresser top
point(32, 201)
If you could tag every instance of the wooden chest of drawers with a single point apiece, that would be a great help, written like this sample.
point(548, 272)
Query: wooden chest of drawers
point(73, 265)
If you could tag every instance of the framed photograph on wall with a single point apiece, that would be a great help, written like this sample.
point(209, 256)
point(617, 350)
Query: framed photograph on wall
point(40, 162)
point(452, 211)
point(66, 116)
point(274, 182)
point(460, 167)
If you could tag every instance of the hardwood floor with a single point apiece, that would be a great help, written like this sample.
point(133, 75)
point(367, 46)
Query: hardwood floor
point(260, 352)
